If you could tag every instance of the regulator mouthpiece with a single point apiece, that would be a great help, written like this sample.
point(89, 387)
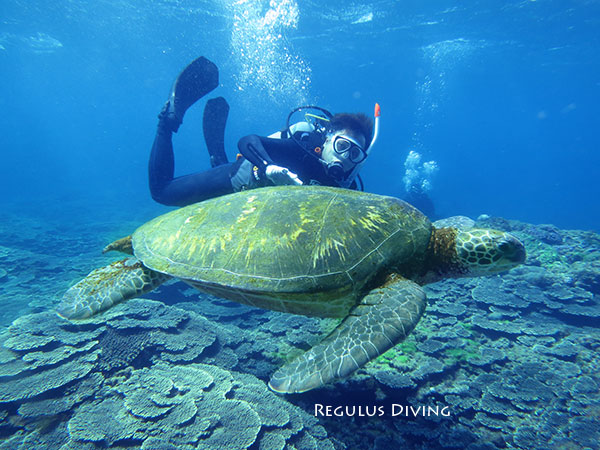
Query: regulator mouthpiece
point(335, 170)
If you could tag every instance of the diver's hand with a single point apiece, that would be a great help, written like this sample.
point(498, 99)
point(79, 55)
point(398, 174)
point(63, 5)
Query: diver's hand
point(280, 175)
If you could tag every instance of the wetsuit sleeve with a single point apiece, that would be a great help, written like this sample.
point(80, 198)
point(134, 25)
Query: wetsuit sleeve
point(251, 147)
point(262, 151)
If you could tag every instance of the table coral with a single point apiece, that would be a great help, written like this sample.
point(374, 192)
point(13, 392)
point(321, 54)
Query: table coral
point(131, 374)
point(514, 358)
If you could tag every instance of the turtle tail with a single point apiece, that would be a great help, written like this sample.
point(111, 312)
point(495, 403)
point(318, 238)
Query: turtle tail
point(107, 286)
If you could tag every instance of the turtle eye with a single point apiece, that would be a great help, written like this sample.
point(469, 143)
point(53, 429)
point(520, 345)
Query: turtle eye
point(504, 247)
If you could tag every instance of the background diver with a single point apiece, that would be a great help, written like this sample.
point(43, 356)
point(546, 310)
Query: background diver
point(323, 149)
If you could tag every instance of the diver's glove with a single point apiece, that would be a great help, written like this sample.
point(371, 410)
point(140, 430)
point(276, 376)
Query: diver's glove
point(280, 175)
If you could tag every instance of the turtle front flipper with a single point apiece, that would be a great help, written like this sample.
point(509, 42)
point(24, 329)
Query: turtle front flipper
point(107, 286)
point(381, 320)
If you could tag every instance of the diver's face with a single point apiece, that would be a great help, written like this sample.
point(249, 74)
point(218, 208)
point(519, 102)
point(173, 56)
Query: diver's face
point(342, 152)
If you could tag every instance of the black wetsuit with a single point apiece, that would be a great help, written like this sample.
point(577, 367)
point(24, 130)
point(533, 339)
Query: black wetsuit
point(186, 189)
point(256, 152)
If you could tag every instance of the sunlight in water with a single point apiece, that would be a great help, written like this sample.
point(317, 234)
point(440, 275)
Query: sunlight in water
point(439, 60)
point(260, 46)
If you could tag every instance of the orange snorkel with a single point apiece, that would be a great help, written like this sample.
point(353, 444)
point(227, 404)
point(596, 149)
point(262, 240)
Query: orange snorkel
point(357, 167)
point(376, 131)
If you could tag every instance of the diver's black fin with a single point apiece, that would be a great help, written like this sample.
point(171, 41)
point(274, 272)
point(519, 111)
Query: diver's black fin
point(195, 81)
point(213, 125)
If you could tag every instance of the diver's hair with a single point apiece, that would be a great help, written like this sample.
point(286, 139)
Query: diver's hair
point(357, 122)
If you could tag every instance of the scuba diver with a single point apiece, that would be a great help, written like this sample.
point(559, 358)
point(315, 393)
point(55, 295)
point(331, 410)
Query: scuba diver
point(323, 148)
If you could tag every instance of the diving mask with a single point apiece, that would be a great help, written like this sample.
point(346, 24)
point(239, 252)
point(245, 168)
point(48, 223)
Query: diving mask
point(348, 156)
point(348, 148)
point(341, 155)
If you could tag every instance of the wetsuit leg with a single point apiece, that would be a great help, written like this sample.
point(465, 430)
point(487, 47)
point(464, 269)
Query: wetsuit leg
point(186, 189)
point(213, 126)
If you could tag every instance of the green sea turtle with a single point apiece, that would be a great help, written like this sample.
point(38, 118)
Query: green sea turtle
point(317, 251)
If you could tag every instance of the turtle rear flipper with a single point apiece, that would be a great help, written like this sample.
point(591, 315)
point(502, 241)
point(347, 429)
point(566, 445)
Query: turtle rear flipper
point(107, 286)
point(121, 245)
point(381, 320)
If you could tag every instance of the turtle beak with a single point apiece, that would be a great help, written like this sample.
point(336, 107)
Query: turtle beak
point(513, 250)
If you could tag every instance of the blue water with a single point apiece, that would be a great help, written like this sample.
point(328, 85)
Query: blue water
point(503, 95)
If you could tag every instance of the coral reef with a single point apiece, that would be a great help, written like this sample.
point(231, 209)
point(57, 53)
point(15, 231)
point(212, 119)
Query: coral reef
point(132, 374)
point(519, 365)
point(512, 357)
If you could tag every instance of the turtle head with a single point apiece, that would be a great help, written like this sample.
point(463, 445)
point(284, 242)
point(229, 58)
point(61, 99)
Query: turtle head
point(484, 252)
point(474, 252)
